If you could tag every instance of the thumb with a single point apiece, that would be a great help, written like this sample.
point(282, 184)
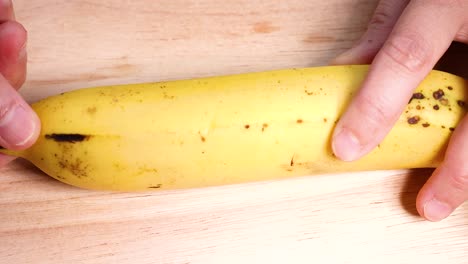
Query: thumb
point(19, 124)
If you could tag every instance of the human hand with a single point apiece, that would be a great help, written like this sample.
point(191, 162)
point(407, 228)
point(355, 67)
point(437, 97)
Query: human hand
point(19, 125)
point(404, 41)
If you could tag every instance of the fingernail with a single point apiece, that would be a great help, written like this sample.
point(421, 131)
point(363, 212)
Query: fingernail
point(435, 210)
point(17, 126)
point(346, 145)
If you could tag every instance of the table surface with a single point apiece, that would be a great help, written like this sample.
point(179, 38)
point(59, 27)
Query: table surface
point(344, 218)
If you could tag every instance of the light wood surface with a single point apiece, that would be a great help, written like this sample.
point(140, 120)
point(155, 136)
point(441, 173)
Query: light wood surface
point(349, 218)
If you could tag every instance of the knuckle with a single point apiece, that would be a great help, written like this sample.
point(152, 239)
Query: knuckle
point(462, 34)
point(380, 20)
point(458, 181)
point(409, 52)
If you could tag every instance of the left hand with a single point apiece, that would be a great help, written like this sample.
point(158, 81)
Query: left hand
point(404, 41)
point(19, 124)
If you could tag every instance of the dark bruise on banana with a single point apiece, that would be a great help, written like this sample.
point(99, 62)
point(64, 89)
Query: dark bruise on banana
point(71, 138)
point(65, 159)
point(77, 166)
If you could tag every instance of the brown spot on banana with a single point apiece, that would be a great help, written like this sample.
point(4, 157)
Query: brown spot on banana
point(413, 120)
point(438, 94)
point(91, 110)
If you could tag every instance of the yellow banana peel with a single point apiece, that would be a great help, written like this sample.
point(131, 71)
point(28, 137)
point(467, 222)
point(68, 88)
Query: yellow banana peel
point(230, 129)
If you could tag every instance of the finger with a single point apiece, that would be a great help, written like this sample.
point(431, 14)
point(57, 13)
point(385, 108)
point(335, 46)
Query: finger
point(6, 10)
point(420, 37)
point(447, 188)
point(13, 56)
point(19, 125)
point(384, 18)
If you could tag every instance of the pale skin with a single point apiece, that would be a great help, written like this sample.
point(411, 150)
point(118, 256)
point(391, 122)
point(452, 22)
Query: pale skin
point(403, 42)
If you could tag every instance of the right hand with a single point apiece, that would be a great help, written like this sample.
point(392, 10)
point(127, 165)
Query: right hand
point(19, 125)
point(404, 41)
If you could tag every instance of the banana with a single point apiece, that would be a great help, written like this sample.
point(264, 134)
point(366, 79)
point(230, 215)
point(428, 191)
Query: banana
point(230, 129)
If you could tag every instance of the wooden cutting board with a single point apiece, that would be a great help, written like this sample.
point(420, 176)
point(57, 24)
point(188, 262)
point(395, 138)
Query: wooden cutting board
point(345, 218)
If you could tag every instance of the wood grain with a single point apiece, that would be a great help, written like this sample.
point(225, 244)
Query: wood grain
point(85, 43)
point(345, 218)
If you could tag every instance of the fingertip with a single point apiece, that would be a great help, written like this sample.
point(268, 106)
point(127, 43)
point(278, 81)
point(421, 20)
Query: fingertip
point(435, 210)
point(35, 130)
point(19, 127)
point(431, 208)
point(437, 199)
point(345, 144)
